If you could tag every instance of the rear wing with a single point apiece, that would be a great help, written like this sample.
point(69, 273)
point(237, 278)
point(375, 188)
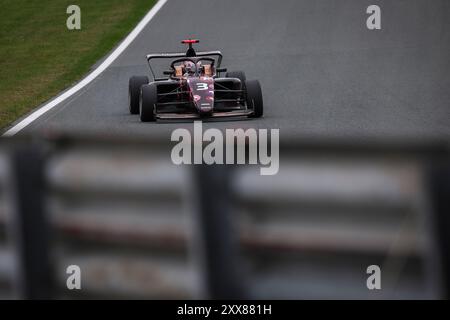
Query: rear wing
point(149, 57)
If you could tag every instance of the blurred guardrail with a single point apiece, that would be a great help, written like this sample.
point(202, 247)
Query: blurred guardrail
point(140, 227)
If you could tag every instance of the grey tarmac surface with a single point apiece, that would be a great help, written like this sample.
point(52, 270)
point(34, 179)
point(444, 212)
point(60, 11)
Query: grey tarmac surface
point(323, 73)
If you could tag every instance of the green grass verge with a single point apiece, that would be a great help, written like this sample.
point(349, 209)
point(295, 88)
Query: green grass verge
point(39, 56)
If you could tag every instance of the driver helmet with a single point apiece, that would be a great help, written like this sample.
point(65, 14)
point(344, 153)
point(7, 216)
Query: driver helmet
point(189, 67)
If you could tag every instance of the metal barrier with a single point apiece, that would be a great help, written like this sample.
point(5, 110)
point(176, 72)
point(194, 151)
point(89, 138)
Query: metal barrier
point(140, 227)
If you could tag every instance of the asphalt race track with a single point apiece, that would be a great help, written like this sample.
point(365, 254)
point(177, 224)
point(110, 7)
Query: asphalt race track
point(323, 73)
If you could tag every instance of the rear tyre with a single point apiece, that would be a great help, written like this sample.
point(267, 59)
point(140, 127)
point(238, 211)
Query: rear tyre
point(147, 102)
point(254, 98)
point(237, 74)
point(134, 92)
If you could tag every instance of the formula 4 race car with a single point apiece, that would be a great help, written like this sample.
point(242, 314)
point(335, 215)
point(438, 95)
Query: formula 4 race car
point(194, 88)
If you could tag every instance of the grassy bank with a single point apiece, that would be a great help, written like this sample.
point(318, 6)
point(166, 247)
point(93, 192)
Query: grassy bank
point(39, 56)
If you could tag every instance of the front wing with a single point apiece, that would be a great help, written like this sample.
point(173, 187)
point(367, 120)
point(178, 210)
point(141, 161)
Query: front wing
point(195, 115)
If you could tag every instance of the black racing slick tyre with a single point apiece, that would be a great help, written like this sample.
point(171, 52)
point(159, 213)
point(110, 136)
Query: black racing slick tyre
point(147, 102)
point(254, 98)
point(134, 92)
point(237, 74)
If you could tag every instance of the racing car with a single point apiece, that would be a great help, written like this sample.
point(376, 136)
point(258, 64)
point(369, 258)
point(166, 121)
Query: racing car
point(193, 87)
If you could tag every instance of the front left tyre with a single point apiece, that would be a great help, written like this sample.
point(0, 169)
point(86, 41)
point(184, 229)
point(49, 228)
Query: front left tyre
point(134, 92)
point(254, 98)
point(148, 102)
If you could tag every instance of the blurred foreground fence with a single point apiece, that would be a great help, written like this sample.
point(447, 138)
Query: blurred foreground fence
point(140, 227)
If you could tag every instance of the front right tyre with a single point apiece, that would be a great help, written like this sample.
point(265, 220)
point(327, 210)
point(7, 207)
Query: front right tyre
point(134, 92)
point(147, 104)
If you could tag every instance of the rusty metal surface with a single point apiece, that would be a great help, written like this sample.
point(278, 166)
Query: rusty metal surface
point(122, 212)
point(130, 276)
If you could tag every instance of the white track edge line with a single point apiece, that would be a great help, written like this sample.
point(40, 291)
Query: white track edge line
point(94, 74)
